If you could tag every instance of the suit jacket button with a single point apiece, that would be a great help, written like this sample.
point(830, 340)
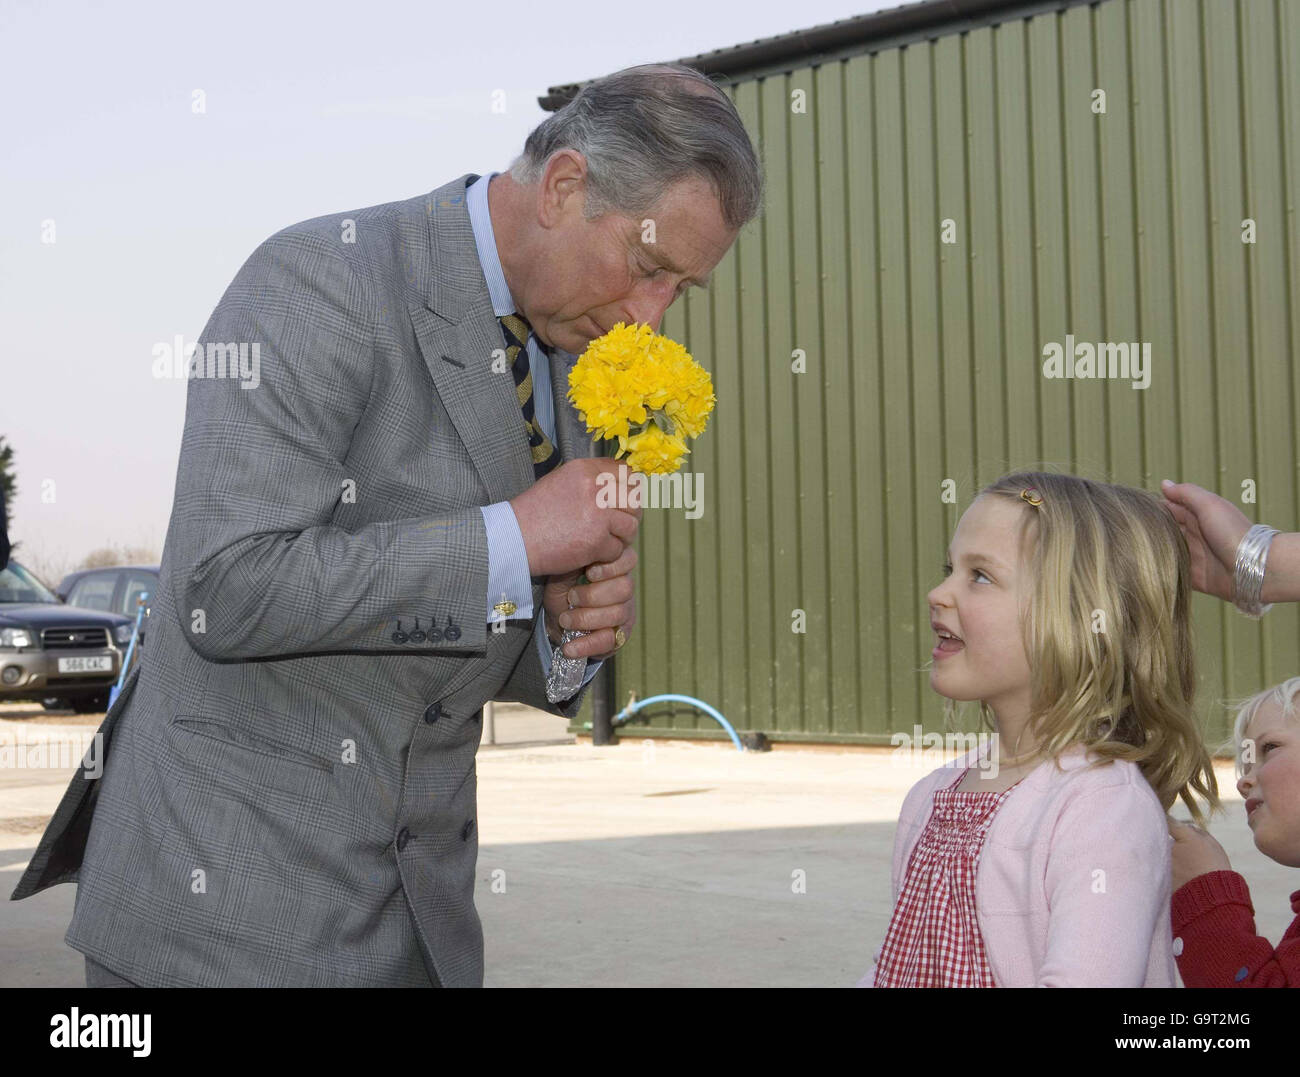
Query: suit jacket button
point(403, 836)
point(433, 712)
point(466, 830)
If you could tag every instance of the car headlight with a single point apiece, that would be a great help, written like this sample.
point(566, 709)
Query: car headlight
point(15, 637)
point(122, 633)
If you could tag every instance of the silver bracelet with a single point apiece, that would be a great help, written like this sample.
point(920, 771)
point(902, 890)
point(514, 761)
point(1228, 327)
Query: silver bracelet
point(1248, 572)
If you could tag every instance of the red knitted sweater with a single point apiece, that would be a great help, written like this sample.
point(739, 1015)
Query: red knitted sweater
point(1215, 943)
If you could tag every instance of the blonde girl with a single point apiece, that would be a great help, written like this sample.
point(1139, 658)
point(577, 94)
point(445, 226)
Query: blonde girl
point(1065, 612)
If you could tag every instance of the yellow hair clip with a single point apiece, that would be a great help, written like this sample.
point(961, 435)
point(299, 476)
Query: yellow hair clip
point(1030, 496)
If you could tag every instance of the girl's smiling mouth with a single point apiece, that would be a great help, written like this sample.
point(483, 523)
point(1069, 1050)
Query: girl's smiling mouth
point(947, 646)
point(949, 643)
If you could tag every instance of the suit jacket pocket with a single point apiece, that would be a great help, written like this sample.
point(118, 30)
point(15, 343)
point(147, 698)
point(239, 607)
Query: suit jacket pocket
point(237, 737)
point(241, 794)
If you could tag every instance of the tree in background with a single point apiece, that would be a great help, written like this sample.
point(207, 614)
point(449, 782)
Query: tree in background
point(8, 483)
point(112, 556)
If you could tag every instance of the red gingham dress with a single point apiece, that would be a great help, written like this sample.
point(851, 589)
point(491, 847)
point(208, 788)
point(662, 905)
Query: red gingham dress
point(933, 938)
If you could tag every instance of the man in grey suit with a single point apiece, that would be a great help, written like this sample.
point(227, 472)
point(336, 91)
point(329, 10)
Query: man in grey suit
point(377, 529)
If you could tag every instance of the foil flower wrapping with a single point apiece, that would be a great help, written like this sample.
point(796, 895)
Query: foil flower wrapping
point(566, 673)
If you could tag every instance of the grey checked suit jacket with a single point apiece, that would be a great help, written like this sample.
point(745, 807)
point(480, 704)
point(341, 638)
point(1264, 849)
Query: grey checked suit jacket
point(288, 794)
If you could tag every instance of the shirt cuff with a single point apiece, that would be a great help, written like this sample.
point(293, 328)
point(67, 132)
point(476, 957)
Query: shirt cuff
point(508, 579)
point(544, 650)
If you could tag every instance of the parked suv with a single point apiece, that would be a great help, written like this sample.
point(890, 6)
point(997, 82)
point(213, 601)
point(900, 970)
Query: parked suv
point(59, 654)
point(114, 590)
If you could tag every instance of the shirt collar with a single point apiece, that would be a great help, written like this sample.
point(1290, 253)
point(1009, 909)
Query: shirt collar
point(481, 222)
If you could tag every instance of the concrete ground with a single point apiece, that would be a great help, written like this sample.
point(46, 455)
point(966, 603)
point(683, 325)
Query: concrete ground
point(647, 863)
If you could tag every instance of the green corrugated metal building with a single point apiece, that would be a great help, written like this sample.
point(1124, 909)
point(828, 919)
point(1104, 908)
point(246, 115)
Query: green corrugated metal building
point(823, 489)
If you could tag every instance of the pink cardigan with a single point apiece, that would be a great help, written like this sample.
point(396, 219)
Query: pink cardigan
point(1074, 881)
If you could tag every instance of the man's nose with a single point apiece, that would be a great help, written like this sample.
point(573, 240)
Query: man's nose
point(649, 305)
point(650, 314)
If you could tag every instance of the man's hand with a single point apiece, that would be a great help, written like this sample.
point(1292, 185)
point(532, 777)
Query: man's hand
point(564, 526)
point(606, 603)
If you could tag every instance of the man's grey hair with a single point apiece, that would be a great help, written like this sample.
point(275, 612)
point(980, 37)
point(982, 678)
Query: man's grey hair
point(643, 129)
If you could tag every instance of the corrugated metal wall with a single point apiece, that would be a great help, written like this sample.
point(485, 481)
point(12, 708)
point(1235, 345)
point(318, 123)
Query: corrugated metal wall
point(822, 489)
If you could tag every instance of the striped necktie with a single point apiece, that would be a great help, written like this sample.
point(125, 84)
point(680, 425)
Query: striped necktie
point(516, 332)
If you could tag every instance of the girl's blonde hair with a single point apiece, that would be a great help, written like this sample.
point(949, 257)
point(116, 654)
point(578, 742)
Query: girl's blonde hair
point(1108, 630)
point(1284, 695)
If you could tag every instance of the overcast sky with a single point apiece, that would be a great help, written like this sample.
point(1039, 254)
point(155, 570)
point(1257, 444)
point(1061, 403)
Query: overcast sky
point(311, 108)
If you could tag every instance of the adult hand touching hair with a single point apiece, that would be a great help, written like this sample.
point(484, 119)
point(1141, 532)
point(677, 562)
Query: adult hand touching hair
point(1214, 528)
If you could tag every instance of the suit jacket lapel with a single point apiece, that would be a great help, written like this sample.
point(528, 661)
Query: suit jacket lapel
point(458, 334)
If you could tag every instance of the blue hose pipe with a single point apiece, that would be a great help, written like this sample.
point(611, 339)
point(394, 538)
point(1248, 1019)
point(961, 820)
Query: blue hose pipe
point(126, 662)
point(625, 715)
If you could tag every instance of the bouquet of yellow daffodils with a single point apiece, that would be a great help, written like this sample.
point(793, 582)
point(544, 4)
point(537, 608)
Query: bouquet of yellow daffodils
point(632, 375)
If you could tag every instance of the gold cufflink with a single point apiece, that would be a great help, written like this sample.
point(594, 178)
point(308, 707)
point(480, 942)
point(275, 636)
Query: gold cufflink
point(505, 608)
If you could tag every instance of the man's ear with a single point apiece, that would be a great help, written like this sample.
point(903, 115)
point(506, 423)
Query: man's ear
point(562, 188)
